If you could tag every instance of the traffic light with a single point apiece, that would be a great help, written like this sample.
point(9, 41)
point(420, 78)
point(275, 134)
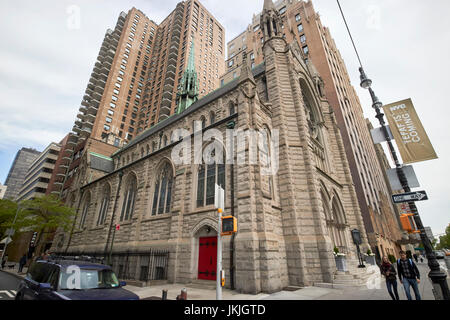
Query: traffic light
point(408, 223)
point(222, 278)
point(229, 225)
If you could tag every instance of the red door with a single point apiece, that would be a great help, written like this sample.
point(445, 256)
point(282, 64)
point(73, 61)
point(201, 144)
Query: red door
point(207, 258)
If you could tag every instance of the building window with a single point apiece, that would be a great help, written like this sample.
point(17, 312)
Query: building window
point(87, 203)
point(303, 39)
point(212, 118)
point(106, 127)
point(112, 105)
point(208, 176)
point(104, 206)
point(108, 120)
point(282, 10)
point(306, 49)
point(232, 109)
point(300, 27)
point(297, 17)
point(162, 197)
point(129, 200)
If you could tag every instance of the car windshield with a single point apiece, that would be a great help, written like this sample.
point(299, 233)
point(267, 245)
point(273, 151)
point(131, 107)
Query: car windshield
point(85, 279)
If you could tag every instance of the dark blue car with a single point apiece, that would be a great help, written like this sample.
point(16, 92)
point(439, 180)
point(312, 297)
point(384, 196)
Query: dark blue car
point(72, 280)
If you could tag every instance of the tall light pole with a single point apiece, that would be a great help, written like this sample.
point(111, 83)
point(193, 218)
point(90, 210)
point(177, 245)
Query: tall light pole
point(438, 277)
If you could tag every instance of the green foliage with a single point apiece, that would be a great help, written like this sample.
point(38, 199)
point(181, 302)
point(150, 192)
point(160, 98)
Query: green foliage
point(444, 241)
point(336, 250)
point(46, 212)
point(369, 252)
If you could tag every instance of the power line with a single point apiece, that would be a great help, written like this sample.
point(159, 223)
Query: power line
point(350, 34)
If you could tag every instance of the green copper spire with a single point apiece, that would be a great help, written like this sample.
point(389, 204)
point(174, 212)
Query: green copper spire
point(188, 88)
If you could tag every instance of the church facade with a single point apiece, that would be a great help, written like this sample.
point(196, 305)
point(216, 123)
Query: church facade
point(289, 222)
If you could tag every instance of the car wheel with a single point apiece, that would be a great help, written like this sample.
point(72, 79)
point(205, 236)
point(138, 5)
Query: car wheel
point(18, 296)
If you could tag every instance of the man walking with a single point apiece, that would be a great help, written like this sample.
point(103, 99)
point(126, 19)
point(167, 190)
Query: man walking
point(22, 262)
point(408, 270)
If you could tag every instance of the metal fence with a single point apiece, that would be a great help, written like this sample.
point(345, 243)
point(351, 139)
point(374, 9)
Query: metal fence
point(142, 266)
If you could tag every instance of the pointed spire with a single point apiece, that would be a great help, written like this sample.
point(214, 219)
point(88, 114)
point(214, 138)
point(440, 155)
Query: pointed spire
point(191, 60)
point(188, 88)
point(268, 5)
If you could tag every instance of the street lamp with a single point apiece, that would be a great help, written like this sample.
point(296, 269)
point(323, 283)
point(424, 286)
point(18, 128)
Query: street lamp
point(438, 277)
point(356, 235)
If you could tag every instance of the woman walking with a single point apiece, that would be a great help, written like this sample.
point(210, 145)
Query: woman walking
point(388, 270)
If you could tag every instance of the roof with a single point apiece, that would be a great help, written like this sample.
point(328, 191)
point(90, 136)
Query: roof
point(79, 263)
point(193, 108)
point(101, 162)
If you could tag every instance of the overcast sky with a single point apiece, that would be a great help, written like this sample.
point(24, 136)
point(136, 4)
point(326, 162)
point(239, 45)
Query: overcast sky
point(47, 52)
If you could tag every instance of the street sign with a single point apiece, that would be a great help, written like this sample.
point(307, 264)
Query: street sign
point(410, 197)
point(410, 175)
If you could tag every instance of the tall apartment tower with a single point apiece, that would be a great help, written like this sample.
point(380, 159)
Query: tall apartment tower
point(301, 23)
point(19, 168)
point(136, 78)
point(189, 23)
point(107, 118)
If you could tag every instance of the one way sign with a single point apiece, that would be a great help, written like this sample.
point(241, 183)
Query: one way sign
point(410, 197)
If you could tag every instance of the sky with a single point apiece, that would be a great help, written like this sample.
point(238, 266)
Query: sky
point(48, 49)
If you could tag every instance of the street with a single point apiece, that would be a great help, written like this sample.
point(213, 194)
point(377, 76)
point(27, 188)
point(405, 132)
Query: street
point(8, 286)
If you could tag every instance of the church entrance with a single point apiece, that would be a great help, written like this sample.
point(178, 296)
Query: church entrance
point(207, 258)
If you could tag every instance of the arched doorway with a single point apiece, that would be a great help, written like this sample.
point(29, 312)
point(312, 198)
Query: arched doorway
point(205, 248)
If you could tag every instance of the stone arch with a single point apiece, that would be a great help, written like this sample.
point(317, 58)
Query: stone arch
point(103, 203)
point(313, 112)
point(161, 194)
point(129, 195)
point(85, 206)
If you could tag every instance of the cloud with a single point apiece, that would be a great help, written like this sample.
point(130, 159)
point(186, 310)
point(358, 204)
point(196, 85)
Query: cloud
point(46, 66)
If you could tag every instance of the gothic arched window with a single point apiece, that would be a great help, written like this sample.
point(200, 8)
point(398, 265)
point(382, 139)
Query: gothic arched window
point(207, 177)
point(85, 210)
point(104, 205)
point(129, 199)
point(162, 197)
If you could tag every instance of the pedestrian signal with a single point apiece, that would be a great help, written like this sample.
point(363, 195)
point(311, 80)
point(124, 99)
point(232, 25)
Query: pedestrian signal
point(229, 225)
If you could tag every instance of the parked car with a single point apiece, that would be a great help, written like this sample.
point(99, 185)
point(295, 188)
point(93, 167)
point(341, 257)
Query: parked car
point(439, 254)
point(72, 280)
point(447, 252)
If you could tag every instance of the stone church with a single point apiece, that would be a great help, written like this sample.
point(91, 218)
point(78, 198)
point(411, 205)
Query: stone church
point(288, 223)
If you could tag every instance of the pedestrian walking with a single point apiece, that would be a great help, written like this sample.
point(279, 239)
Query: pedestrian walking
point(415, 258)
point(22, 262)
point(409, 275)
point(5, 259)
point(388, 270)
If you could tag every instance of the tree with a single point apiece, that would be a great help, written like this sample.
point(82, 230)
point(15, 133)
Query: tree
point(444, 241)
point(42, 214)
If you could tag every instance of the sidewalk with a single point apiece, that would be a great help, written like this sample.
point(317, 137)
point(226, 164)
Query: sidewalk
point(308, 293)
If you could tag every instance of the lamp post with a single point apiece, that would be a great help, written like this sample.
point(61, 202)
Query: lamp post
point(438, 277)
point(356, 235)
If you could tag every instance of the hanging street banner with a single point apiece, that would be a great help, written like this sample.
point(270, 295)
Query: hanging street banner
point(412, 140)
point(410, 197)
